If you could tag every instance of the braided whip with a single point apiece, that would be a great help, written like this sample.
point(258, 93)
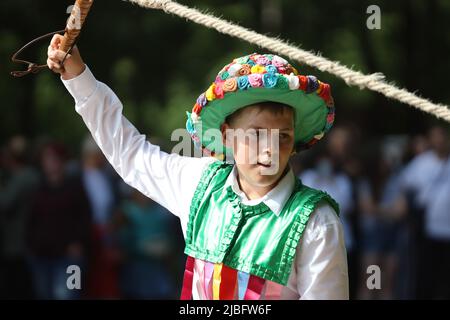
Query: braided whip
point(73, 28)
point(75, 22)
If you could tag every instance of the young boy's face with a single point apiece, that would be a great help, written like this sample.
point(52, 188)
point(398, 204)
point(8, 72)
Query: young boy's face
point(262, 142)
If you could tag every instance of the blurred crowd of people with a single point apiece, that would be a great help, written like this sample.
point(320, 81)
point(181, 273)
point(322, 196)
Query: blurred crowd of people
point(394, 198)
point(58, 210)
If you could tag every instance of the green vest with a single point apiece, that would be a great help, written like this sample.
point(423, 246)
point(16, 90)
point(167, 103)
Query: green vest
point(251, 239)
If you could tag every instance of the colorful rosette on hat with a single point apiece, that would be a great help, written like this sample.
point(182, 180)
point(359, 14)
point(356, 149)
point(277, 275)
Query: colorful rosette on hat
point(258, 78)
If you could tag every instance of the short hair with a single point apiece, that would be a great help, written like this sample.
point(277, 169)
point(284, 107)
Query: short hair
point(275, 108)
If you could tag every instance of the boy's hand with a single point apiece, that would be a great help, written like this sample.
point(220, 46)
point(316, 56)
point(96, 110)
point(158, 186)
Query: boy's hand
point(73, 65)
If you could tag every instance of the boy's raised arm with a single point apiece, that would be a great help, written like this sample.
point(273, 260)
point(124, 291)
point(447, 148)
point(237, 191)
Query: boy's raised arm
point(169, 179)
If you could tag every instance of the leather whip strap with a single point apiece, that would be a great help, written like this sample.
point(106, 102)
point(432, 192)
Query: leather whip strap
point(73, 28)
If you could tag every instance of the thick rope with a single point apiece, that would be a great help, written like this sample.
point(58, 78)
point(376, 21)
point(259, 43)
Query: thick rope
point(374, 82)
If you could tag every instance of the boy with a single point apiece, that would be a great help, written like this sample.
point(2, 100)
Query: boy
point(252, 230)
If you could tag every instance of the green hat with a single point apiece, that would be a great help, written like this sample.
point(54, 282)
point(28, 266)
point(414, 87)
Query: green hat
point(257, 78)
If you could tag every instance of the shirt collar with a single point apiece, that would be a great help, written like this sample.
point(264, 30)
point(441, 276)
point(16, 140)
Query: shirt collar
point(275, 199)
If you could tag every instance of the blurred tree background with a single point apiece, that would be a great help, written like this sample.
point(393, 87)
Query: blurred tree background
point(158, 64)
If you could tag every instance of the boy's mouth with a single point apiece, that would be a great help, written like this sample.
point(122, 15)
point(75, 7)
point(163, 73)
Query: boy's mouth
point(264, 164)
point(264, 161)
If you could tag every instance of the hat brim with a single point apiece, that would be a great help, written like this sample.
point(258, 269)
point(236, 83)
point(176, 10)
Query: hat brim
point(310, 113)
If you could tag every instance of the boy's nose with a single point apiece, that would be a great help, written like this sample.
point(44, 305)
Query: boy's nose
point(265, 158)
point(269, 142)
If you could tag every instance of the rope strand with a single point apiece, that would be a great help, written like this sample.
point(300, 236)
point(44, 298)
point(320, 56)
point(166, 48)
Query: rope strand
point(374, 82)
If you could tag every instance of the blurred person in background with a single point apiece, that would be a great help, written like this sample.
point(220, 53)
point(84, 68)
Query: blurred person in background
point(98, 183)
point(325, 176)
point(426, 183)
point(418, 145)
point(146, 239)
point(328, 175)
point(20, 180)
point(59, 226)
point(409, 256)
point(381, 225)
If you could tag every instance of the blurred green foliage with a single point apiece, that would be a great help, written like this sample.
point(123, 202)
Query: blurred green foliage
point(158, 64)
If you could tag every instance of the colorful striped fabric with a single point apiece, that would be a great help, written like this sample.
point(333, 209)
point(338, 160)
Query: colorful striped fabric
point(209, 270)
point(186, 291)
point(216, 281)
point(242, 284)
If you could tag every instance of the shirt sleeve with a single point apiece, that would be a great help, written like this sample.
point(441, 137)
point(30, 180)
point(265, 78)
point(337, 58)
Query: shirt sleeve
point(169, 179)
point(321, 258)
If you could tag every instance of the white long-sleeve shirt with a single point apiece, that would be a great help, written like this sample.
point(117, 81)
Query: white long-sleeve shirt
point(319, 270)
point(429, 177)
